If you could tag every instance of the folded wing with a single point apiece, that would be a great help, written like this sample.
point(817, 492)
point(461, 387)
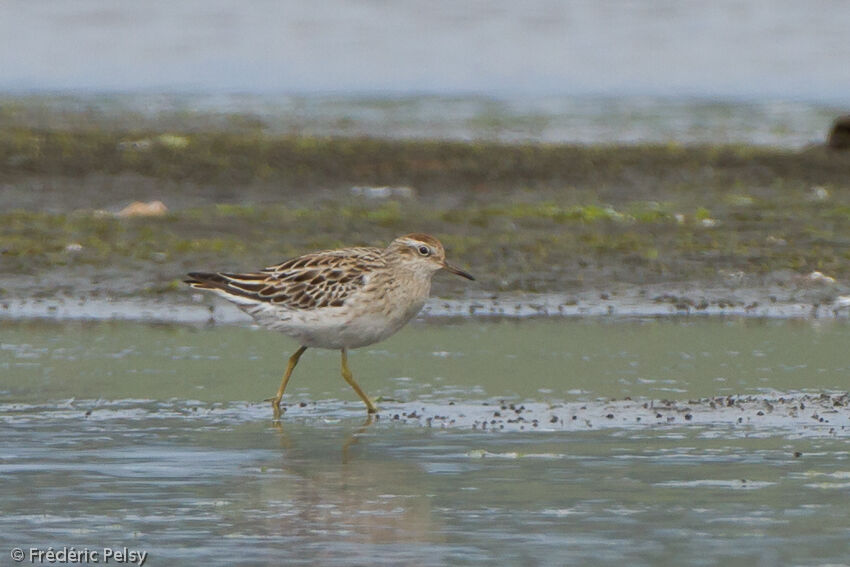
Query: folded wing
point(312, 281)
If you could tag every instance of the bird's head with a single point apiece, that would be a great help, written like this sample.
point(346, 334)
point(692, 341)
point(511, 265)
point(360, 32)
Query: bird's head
point(423, 254)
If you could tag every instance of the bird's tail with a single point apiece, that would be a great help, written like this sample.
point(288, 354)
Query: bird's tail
point(206, 280)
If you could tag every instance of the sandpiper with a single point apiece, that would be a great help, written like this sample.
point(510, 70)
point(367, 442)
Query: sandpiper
point(337, 299)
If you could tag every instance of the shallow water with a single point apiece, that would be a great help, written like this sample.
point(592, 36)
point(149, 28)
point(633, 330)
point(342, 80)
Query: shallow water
point(155, 437)
point(616, 119)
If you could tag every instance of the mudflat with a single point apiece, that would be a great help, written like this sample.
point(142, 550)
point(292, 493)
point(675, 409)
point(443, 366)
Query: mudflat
point(523, 217)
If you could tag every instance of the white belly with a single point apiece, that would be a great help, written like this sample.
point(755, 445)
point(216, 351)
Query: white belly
point(336, 327)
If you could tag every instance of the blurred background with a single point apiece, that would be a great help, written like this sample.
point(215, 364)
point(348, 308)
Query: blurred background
point(764, 72)
point(553, 145)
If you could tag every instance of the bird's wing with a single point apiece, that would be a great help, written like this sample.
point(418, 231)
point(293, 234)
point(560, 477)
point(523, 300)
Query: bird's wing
point(312, 281)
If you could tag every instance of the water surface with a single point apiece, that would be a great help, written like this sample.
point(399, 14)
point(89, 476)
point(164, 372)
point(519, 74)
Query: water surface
point(155, 437)
point(727, 48)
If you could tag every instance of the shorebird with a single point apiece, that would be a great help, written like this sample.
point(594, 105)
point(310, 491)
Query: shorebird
point(336, 299)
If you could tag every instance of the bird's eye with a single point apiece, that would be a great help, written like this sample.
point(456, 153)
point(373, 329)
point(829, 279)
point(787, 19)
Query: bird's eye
point(424, 250)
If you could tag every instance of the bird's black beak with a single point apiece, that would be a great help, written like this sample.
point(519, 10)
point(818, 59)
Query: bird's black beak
point(458, 271)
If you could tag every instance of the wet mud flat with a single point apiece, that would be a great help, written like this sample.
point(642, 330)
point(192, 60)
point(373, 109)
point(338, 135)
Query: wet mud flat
point(797, 415)
point(523, 217)
point(822, 414)
point(614, 302)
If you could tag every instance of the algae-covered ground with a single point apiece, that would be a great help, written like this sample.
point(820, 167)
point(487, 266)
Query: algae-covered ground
point(527, 217)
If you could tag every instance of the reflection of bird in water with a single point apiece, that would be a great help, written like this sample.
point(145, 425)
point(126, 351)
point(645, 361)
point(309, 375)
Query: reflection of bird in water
point(351, 440)
point(337, 299)
point(364, 497)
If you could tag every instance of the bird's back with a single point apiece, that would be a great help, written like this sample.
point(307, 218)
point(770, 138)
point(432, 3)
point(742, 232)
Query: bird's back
point(313, 281)
point(330, 299)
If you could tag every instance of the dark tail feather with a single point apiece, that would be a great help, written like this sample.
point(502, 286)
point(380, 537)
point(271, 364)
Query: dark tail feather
point(206, 280)
point(245, 285)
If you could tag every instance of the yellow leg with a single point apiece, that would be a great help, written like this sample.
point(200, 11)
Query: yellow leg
point(293, 360)
point(346, 373)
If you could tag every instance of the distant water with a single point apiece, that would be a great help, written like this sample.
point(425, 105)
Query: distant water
point(552, 119)
point(781, 49)
point(770, 73)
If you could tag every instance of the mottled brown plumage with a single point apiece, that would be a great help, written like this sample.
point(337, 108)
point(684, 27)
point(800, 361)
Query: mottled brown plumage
point(312, 281)
point(338, 299)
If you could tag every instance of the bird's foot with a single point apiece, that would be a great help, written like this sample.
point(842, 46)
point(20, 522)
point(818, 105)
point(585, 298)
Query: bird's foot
point(276, 409)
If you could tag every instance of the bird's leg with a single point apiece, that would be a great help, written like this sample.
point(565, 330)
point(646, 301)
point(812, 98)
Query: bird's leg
point(346, 373)
point(293, 360)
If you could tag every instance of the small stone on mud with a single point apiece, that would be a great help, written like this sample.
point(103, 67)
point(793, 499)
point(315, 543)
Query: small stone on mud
point(140, 209)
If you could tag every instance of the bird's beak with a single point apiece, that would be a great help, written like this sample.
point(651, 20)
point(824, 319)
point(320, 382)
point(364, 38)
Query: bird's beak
point(458, 271)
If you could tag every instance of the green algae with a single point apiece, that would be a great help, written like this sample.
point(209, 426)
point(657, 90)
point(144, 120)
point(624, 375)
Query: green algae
point(291, 161)
point(542, 242)
point(539, 217)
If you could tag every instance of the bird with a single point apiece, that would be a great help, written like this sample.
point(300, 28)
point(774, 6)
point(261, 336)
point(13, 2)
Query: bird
point(336, 299)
